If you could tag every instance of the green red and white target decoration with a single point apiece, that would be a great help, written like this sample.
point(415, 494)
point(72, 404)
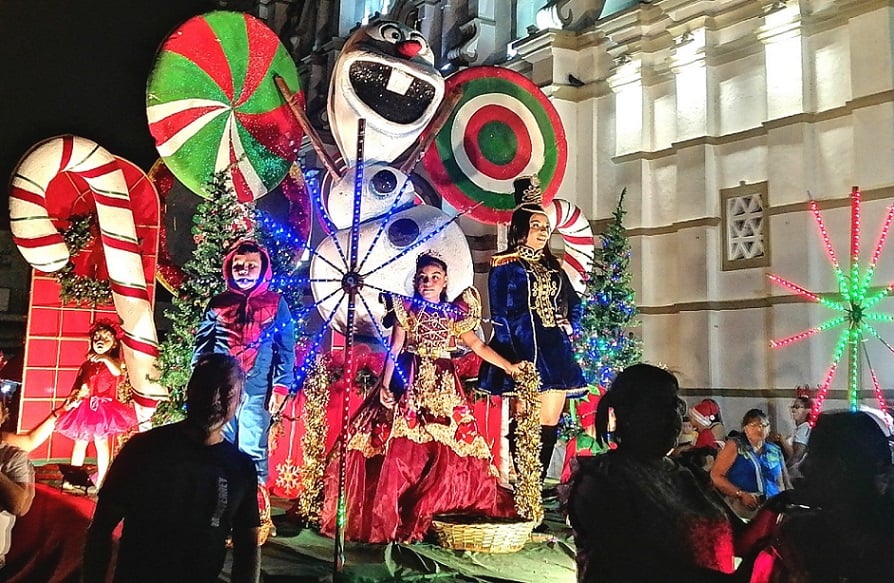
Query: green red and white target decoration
point(212, 104)
point(503, 127)
point(853, 306)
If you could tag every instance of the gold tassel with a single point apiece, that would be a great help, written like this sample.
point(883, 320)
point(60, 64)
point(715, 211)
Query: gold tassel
point(313, 444)
point(528, 500)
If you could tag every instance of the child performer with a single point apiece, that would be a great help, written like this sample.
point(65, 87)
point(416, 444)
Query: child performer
point(253, 324)
point(414, 450)
point(535, 312)
point(98, 414)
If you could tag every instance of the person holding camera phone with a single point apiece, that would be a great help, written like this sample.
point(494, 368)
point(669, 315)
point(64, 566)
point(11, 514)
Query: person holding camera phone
point(750, 469)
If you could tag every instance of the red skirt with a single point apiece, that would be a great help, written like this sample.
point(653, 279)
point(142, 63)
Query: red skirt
point(96, 417)
point(393, 497)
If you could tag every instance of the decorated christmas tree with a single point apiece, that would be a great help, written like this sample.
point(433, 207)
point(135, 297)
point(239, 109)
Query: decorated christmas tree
point(605, 346)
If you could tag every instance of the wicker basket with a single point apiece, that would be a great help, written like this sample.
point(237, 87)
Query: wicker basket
point(482, 534)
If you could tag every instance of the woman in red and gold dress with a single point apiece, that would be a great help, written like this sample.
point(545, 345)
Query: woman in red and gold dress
point(414, 450)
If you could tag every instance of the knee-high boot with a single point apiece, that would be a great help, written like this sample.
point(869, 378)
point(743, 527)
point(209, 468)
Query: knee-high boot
point(549, 434)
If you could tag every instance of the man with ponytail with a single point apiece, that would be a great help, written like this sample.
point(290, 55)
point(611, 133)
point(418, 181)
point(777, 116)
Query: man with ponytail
point(638, 516)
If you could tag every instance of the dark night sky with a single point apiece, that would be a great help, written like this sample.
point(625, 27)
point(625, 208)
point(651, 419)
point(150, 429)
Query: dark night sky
point(80, 67)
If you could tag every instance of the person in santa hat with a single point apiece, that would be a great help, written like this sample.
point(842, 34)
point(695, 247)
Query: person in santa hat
point(705, 418)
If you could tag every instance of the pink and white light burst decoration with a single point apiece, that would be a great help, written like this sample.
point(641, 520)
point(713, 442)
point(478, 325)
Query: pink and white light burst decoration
point(853, 307)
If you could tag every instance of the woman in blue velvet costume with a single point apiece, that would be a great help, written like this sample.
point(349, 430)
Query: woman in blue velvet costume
point(535, 311)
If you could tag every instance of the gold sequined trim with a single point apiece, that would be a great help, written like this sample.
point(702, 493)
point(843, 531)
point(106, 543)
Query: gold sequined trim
point(529, 253)
point(431, 391)
point(401, 313)
point(498, 260)
point(544, 290)
point(472, 299)
point(362, 442)
point(443, 434)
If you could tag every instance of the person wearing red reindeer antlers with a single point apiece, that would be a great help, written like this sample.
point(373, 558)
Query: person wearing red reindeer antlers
point(253, 324)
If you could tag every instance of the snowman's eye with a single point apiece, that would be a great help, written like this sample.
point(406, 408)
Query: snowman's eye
point(383, 182)
point(391, 33)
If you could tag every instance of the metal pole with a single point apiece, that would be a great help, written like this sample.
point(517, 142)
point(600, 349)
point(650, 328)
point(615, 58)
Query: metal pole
point(351, 283)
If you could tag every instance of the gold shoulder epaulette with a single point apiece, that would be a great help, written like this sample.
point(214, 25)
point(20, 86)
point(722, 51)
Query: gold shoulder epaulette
point(402, 313)
point(503, 259)
point(469, 302)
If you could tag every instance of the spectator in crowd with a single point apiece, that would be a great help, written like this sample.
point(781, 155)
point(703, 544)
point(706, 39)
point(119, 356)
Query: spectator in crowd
point(706, 419)
point(33, 438)
point(795, 445)
point(687, 438)
point(699, 461)
point(16, 488)
point(750, 469)
point(637, 515)
point(181, 490)
point(843, 527)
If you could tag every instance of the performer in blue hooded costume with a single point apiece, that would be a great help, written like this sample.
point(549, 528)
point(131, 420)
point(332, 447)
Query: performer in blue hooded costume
point(253, 324)
point(534, 311)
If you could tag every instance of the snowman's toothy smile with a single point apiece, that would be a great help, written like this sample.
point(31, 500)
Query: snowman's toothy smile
point(394, 94)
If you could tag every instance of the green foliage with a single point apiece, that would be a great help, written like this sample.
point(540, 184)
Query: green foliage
point(605, 344)
point(81, 289)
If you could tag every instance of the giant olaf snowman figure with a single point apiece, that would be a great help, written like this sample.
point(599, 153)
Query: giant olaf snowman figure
point(385, 75)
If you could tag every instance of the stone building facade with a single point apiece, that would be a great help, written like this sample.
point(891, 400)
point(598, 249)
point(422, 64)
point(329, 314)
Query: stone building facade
point(722, 118)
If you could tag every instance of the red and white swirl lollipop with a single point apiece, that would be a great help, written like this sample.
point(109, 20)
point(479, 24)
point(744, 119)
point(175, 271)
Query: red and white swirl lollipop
point(213, 104)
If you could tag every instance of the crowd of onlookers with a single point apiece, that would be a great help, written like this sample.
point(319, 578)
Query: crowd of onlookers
point(679, 496)
point(682, 498)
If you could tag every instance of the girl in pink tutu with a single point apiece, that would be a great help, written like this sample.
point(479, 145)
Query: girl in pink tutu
point(98, 414)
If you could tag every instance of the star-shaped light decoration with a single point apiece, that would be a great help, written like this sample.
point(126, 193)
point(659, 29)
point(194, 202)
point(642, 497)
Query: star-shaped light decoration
point(854, 308)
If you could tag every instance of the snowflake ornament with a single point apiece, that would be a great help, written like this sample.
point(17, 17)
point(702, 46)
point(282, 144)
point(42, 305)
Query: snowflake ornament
point(288, 477)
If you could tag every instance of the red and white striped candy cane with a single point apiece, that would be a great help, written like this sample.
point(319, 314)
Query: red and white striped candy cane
point(43, 247)
point(577, 234)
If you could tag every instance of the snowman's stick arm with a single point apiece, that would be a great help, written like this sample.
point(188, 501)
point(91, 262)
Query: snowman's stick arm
point(309, 130)
point(431, 132)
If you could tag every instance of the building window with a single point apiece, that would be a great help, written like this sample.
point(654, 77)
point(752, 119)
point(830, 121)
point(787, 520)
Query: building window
point(746, 234)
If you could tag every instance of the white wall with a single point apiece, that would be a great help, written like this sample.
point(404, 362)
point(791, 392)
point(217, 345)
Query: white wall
point(800, 100)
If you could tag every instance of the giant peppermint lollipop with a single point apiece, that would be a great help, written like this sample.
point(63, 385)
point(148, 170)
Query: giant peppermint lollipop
point(212, 103)
point(503, 127)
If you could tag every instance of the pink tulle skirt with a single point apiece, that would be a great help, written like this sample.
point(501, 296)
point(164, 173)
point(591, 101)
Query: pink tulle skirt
point(394, 497)
point(96, 417)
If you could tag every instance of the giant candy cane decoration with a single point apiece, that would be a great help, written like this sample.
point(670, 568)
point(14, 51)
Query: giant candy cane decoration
point(43, 247)
point(577, 234)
